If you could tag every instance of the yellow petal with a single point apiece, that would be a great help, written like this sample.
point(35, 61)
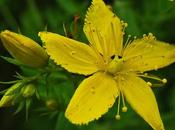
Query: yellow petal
point(144, 55)
point(24, 49)
point(142, 100)
point(103, 29)
point(74, 56)
point(94, 96)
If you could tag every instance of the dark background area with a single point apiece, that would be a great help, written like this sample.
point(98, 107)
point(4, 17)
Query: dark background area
point(143, 16)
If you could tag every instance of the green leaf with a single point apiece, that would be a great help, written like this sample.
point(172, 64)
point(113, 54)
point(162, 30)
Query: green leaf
point(19, 108)
point(11, 60)
point(28, 103)
point(62, 123)
point(3, 91)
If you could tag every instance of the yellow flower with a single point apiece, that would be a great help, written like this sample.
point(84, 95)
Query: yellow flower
point(24, 49)
point(115, 69)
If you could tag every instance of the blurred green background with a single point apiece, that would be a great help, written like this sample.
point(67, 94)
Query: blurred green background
point(31, 16)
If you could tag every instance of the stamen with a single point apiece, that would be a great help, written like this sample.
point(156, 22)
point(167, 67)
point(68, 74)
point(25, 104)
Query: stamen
point(124, 26)
point(117, 117)
point(124, 108)
point(150, 36)
point(129, 40)
point(150, 77)
point(164, 80)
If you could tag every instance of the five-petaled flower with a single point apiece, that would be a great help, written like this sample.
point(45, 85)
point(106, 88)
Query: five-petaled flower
point(115, 69)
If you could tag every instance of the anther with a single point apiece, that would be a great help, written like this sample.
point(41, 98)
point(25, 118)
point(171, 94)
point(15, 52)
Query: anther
point(124, 109)
point(122, 22)
point(144, 35)
point(149, 84)
point(117, 117)
point(150, 34)
point(145, 74)
point(129, 36)
point(126, 25)
point(164, 81)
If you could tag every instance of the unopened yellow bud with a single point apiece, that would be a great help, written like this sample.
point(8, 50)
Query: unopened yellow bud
point(24, 49)
point(28, 90)
point(9, 96)
point(51, 104)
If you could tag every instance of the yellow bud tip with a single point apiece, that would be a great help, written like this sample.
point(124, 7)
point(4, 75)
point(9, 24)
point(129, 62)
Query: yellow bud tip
point(149, 84)
point(117, 117)
point(164, 81)
point(24, 49)
point(124, 109)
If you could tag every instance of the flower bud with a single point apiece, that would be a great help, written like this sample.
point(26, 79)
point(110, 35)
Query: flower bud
point(9, 96)
point(28, 90)
point(51, 104)
point(24, 49)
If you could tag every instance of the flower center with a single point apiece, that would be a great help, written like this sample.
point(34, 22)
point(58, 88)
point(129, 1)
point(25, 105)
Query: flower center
point(115, 65)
